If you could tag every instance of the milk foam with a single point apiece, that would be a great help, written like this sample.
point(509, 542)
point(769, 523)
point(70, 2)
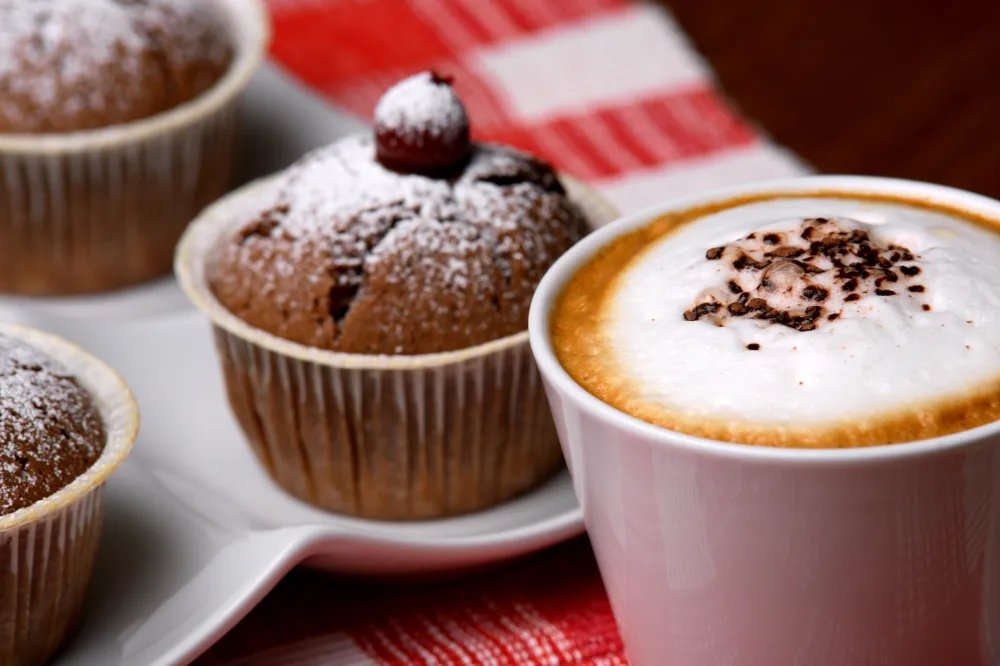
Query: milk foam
point(880, 354)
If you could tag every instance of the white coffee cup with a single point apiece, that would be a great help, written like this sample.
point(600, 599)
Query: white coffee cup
point(718, 554)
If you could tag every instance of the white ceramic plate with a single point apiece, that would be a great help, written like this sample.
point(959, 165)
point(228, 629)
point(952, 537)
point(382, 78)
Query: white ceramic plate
point(195, 534)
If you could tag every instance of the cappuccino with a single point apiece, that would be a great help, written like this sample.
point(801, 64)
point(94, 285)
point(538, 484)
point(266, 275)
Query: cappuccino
point(795, 320)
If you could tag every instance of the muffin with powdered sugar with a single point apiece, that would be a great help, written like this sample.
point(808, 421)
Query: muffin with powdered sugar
point(50, 431)
point(117, 125)
point(412, 242)
point(66, 423)
point(411, 255)
point(72, 65)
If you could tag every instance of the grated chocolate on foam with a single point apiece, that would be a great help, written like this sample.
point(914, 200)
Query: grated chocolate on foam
point(806, 277)
point(50, 431)
point(913, 355)
point(354, 257)
point(68, 62)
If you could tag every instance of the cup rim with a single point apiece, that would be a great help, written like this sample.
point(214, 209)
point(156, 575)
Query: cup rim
point(203, 234)
point(567, 265)
point(250, 24)
point(116, 405)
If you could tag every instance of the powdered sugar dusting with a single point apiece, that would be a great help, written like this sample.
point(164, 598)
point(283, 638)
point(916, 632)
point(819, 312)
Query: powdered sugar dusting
point(50, 432)
point(431, 263)
point(35, 56)
point(420, 102)
point(80, 58)
point(338, 185)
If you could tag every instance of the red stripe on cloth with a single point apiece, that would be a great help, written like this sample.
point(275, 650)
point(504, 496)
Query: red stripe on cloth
point(578, 140)
point(631, 136)
point(474, 23)
point(526, 617)
point(462, 29)
point(520, 14)
point(697, 122)
point(575, 10)
point(326, 44)
point(611, 141)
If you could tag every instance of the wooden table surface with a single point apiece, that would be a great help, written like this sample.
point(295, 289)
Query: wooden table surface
point(907, 88)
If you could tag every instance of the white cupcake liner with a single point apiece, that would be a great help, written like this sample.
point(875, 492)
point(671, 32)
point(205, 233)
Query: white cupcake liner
point(97, 210)
point(47, 550)
point(384, 437)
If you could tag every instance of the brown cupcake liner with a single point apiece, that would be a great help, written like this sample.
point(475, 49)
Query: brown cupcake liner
point(44, 570)
point(382, 437)
point(98, 210)
point(47, 550)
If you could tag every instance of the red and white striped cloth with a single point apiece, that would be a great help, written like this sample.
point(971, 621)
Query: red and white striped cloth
point(610, 91)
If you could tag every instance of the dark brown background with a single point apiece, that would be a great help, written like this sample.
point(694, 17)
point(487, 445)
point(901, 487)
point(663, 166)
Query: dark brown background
point(876, 87)
point(882, 87)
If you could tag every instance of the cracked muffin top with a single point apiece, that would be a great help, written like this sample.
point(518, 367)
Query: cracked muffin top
point(71, 65)
point(50, 430)
point(411, 241)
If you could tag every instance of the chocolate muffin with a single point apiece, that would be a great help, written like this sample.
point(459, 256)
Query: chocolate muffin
point(50, 430)
point(118, 125)
point(370, 308)
point(67, 422)
point(72, 65)
point(415, 241)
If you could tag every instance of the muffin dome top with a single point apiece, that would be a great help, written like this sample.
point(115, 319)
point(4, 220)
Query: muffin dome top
point(410, 240)
point(69, 65)
point(354, 257)
point(50, 430)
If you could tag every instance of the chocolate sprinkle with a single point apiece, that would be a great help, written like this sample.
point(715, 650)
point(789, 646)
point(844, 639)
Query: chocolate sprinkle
point(794, 281)
point(700, 311)
point(788, 251)
point(744, 262)
point(753, 346)
point(815, 293)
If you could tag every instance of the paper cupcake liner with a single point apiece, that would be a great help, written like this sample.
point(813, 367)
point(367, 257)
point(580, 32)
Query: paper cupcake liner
point(99, 210)
point(402, 444)
point(47, 550)
point(383, 437)
point(44, 570)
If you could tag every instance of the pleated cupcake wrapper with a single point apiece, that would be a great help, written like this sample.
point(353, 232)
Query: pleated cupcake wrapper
point(394, 444)
point(47, 550)
point(379, 437)
point(87, 222)
point(100, 210)
point(44, 569)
